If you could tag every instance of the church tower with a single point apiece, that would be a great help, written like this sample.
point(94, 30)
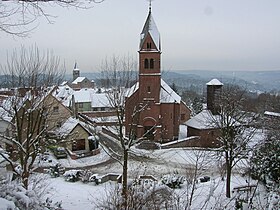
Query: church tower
point(160, 107)
point(76, 72)
point(150, 80)
point(149, 61)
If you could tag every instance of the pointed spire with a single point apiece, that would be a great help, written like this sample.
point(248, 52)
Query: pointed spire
point(150, 28)
point(76, 66)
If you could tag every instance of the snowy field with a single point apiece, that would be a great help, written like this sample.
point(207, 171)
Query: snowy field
point(78, 195)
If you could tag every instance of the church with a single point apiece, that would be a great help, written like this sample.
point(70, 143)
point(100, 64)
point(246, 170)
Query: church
point(152, 109)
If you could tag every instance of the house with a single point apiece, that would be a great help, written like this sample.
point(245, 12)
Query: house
point(45, 111)
point(161, 107)
point(204, 124)
point(77, 138)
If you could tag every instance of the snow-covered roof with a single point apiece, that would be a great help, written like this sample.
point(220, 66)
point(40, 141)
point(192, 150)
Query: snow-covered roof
point(150, 28)
point(132, 90)
point(79, 79)
point(273, 114)
point(100, 100)
point(214, 82)
point(64, 83)
point(206, 120)
point(63, 91)
point(203, 120)
point(167, 95)
point(67, 127)
point(83, 95)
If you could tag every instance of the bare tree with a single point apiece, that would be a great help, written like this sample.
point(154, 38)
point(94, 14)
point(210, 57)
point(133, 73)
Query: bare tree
point(32, 68)
point(30, 110)
point(120, 72)
point(17, 17)
point(235, 129)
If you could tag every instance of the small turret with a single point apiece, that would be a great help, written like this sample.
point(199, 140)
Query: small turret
point(214, 88)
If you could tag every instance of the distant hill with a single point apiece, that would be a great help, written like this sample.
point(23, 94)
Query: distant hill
point(262, 81)
point(251, 80)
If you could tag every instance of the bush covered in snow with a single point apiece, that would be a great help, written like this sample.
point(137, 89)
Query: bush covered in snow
point(72, 175)
point(89, 176)
point(14, 196)
point(173, 180)
point(143, 195)
point(265, 162)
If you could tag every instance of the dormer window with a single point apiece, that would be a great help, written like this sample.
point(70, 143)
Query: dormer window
point(55, 109)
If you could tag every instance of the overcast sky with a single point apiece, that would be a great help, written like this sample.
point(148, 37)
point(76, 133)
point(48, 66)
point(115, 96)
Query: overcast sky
point(195, 34)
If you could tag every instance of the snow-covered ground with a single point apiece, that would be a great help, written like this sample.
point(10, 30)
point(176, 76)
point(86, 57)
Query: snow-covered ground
point(50, 160)
point(79, 195)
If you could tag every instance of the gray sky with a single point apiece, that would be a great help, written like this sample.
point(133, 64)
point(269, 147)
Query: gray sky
point(195, 34)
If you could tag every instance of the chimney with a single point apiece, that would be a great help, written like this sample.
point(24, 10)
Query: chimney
point(214, 88)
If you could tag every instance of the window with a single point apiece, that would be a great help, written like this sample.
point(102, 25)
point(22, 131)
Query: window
point(149, 89)
point(81, 105)
point(149, 45)
point(79, 144)
point(94, 109)
point(146, 64)
point(58, 124)
point(151, 63)
point(102, 108)
point(55, 109)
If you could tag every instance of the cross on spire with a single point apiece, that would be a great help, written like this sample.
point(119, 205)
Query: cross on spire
point(150, 5)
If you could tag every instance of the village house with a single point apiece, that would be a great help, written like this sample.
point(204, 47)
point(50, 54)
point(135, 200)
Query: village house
point(77, 138)
point(162, 108)
point(44, 111)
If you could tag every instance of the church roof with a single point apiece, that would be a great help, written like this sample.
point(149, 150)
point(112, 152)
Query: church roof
point(167, 95)
point(150, 28)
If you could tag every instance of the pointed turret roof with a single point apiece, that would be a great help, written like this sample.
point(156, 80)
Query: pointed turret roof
point(150, 28)
point(214, 82)
point(76, 66)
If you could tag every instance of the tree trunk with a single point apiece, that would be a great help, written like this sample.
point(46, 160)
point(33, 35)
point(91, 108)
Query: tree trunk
point(25, 177)
point(124, 178)
point(228, 165)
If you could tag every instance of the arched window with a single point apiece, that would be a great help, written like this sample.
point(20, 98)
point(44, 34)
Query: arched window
point(146, 63)
point(151, 63)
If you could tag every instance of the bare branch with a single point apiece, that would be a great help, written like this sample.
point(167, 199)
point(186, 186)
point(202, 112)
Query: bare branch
point(17, 18)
